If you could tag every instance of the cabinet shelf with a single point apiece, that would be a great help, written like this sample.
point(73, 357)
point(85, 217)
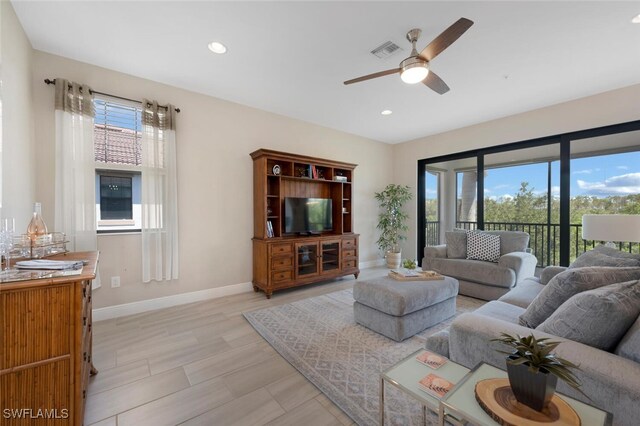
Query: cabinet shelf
point(306, 179)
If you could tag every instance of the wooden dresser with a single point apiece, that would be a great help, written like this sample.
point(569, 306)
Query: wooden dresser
point(45, 341)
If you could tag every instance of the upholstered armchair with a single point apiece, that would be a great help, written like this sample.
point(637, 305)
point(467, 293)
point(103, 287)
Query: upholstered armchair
point(482, 279)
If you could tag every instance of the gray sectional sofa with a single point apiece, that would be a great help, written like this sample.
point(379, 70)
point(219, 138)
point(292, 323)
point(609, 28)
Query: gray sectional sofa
point(603, 340)
point(481, 279)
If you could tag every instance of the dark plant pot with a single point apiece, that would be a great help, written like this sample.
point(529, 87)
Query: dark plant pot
point(531, 389)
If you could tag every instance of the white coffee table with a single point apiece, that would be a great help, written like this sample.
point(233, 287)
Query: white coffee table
point(406, 374)
point(459, 406)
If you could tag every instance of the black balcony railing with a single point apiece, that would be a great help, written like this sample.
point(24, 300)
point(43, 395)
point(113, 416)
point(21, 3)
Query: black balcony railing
point(544, 239)
point(432, 233)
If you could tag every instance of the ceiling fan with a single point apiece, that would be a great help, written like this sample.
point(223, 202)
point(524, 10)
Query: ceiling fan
point(415, 68)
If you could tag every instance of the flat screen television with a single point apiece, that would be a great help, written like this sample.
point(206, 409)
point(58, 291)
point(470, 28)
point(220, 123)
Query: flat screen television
point(304, 215)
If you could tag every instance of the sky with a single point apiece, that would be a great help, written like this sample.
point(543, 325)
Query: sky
point(601, 176)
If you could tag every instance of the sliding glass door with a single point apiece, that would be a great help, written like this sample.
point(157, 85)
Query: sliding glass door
point(542, 187)
point(432, 205)
point(605, 179)
point(522, 193)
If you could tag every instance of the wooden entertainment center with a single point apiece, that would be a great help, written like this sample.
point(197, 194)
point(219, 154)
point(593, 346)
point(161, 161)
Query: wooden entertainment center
point(283, 260)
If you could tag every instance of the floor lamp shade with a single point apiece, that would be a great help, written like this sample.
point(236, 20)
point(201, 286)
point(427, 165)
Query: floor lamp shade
point(611, 227)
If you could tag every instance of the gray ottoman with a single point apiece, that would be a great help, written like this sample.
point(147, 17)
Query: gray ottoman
point(400, 309)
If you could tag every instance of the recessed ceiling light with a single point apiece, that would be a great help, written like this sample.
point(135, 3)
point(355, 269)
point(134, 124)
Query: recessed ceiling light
point(217, 47)
point(387, 112)
point(636, 19)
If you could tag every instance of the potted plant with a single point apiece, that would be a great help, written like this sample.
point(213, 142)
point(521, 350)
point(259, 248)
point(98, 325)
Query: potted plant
point(391, 221)
point(534, 371)
point(409, 264)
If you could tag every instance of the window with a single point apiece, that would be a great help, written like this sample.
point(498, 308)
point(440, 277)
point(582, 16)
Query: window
point(115, 197)
point(542, 187)
point(117, 144)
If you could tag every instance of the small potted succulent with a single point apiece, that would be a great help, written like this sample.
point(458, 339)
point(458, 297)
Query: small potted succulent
point(409, 264)
point(534, 371)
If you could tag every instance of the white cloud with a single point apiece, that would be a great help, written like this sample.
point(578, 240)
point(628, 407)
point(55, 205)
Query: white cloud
point(500, 198)
point(503, 186)
point(585, 171)
point(622, 167)
point(617, 185)
point(555, 190)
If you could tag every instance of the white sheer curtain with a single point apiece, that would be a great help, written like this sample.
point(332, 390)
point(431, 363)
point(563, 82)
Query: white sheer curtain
point(75, 197)
point(159, 193)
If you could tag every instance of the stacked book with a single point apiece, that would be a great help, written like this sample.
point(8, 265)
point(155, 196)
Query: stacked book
point(414, 275)
point(52, 265)
point(435, 385)
point(432, 383)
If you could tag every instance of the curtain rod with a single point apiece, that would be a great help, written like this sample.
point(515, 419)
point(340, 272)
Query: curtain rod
point(49, 81)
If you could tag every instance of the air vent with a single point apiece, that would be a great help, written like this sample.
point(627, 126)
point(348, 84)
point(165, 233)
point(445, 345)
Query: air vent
point(386, 49)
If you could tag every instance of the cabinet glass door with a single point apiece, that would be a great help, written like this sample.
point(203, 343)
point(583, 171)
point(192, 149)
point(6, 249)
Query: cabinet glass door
point(330, 256)
point(307, 259)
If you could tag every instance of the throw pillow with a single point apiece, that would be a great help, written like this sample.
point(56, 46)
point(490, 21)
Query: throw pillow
point(569, 283)
point(609, 251)
point(456, 245)
point(598, 258)
point(629, 346)
point(511, 241)
point(483, 246)
point(597, 318)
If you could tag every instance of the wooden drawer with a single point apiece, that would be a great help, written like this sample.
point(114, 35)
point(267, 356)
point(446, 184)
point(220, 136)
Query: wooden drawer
point(348, 243)
point(280, 263)
point(348, 253)
point(277, 249)
point(281, 276)
point(348, 264)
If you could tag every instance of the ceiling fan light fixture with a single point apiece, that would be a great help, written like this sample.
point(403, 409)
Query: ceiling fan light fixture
point(414, 70)
point(217, 47)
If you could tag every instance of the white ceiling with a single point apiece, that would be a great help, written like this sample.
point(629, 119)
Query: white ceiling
point(292, 57)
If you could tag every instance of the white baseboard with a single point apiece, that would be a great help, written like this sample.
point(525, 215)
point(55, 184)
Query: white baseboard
point(125, 309)
point(371, 263)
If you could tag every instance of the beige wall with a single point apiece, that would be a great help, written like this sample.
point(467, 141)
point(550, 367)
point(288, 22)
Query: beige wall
point(17, 144)
point(215, 138)
point(607, 108)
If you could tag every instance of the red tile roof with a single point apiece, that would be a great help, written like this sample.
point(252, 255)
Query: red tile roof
point(117, 145)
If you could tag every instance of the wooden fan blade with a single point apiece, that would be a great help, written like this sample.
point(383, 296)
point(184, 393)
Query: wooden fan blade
point(445, 39)
point(374, 75)
point(435, 83)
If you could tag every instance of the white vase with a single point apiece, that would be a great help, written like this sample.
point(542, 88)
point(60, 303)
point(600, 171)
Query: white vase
point(393, 259)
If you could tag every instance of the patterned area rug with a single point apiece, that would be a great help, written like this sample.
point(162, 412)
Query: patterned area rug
point(320, 338)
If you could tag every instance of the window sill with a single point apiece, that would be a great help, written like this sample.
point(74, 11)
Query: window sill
point(117, 222)
point(101, 232)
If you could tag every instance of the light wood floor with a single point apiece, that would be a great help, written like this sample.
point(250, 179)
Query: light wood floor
point(203, 364)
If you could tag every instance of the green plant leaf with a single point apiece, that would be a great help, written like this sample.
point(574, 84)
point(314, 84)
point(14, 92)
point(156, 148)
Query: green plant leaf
point(537, 354)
